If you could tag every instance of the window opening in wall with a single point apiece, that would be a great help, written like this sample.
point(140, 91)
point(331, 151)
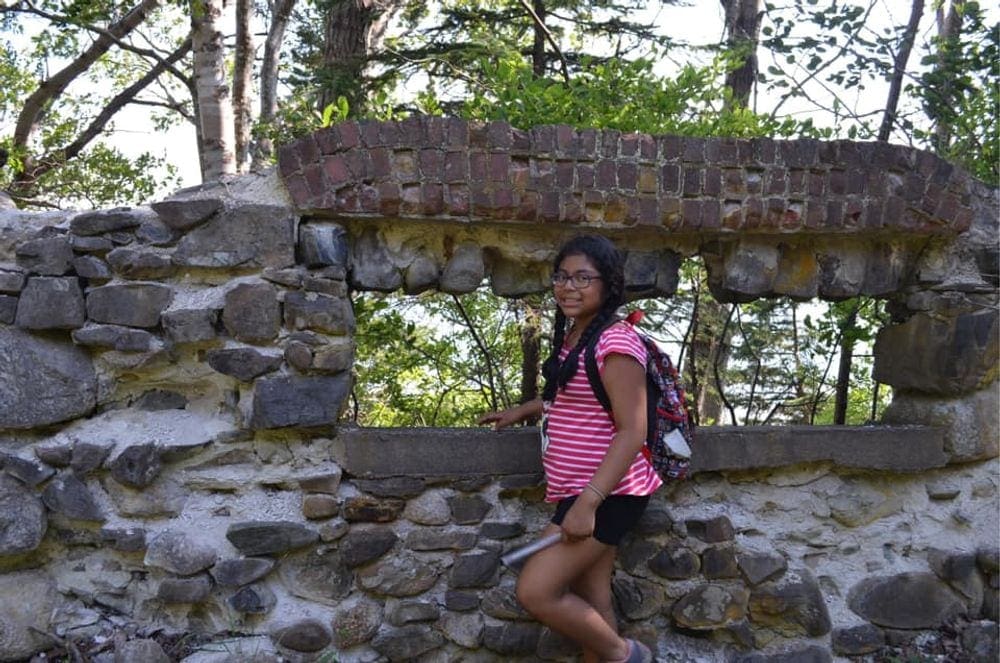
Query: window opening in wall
point(441, 360)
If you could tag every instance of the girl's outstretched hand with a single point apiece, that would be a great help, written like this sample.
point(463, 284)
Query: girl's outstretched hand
point(512, 415)
point(500, 419)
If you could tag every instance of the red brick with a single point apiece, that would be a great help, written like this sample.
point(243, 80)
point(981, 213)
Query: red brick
point(670, 179)
point(499, 166)
point(480, 198)
point(477, 167)
point(499, 134)
point(503, 199)
point(313, 174)
point(777, 184)
point(542, 173)
point(711, 214)
point(565, 171)
point(753, 216)
point(381, 162)
point(732, 215)
point(671, 147)
point(609, 143)
point(606, 175)
point(433, 199)
point(520, 173)
point(298, 189)
point(647, 147)
point(368, 199)
point(336, 170)
point(834, 215)
point(873, 214)
point(585, 176)
point(628, 175)
point(543, 139)
point(649, 212)
point(572, 209)
point(456, 133)
point(410, 200)
point(527, 208)
point(565, 139)
point(647, 179)
point(616, 209)
point(692, 181)
point(369, 134)
point(670, 213)
point(815, 183)
point(713, 181)
point(853, 211)
point(456, 167)
point(358, 164)
point(548, 206)
point(690, 214)
point(629, 145)
point(837, 183)
point(457, 199)
point(733, 183)
point(389, 198)
point(404, 166)
point(754, 181)
point(521, 141)
point(347, 200)
point(797, 181)
point(349, 135)
point(431, 164)
point(288, 160)
point(793, 219)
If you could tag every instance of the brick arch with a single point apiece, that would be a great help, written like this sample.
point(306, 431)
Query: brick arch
point(802, 218)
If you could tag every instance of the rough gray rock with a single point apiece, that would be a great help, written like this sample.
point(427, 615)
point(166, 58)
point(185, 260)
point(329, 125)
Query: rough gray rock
point(47, 256)
point(46, 381)
point(137, 466)
point(131, 304)
point(269, 537)
point(115, 337)
point(22, 518)
point(710, 607)
point(186, 214)
point(255, 599)
point(407, 643)
point(239, 572)
point(792, 605)
point(905, 601)
point(185, 590)
point(244, 364)
point(323, 245)
point(105, 221)
point(69, 496)
point(306, 635)
point(50, 302)
point(250, 236)
point(362, 545)
point(303, 401)
point(29, 602)
point(190, 325)
point(318, 312)
point(179, 553)
point(252, 313)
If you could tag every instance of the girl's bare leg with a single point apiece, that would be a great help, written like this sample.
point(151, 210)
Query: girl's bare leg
point(594, 587)
point(543, 590)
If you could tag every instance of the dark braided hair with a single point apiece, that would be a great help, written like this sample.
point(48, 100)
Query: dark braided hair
point(611, 265)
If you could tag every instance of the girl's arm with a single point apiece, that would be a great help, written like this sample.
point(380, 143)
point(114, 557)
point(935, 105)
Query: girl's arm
point(512, 415)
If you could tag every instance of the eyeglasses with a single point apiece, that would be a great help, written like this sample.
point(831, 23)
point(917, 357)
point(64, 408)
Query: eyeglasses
point(580, 280)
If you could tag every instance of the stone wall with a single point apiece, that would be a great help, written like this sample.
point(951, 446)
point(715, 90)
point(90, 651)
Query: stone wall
point(173, 376)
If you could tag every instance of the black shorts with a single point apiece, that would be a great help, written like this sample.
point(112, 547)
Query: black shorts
point(614, 517)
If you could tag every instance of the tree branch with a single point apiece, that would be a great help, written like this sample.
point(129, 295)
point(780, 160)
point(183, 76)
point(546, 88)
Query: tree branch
point(548, 37)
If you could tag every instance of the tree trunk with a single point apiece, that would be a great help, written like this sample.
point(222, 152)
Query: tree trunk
point(280, 14)
point(35, 105)
point(531, 351)
point(353, 30)
point(899, 70)
point(215, 110)
point(743, 34)
point(949, 24)
point(843, 387)
point(242, 82)
point(538, 47)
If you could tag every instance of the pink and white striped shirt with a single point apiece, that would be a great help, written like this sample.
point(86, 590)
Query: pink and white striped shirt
point(578, 431)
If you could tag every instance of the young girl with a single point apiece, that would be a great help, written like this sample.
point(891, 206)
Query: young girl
point(594, 471)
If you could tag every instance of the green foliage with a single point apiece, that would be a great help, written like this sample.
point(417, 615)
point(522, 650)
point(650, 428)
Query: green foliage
point(960, 91)
point(421, 363)
point(618, 94)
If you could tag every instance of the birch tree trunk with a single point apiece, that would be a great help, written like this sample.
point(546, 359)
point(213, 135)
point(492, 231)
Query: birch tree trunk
point(949, 25)
point(242, 83)
point(215, 105)
point(281, 12)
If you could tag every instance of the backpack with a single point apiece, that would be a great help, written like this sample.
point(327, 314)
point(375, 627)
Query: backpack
point(670, 428)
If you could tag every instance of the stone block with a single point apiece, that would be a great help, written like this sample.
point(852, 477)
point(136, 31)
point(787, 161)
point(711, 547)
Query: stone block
point(323, 244)
point(105, 221)
point(8, 309)
point(269, 537)
point(23, 519)
point(123, 339)
point(244, 364)
point(190, 325)
point(138, 264)
point(12, 280)
point(943, 356)
point(47, 256)
point(905, 601)
point(248, 236)
point(186, 214)
point(50, 302)
point(970, 424)
point(305, 401)
point(132, 304)
point(91, 268)
point(252, 313)
point(318, 312)
point(47, 381)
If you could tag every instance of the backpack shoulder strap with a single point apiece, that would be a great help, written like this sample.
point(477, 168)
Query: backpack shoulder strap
point(593, 374)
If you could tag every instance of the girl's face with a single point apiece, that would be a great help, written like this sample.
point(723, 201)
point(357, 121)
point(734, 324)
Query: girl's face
point(578, 288)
